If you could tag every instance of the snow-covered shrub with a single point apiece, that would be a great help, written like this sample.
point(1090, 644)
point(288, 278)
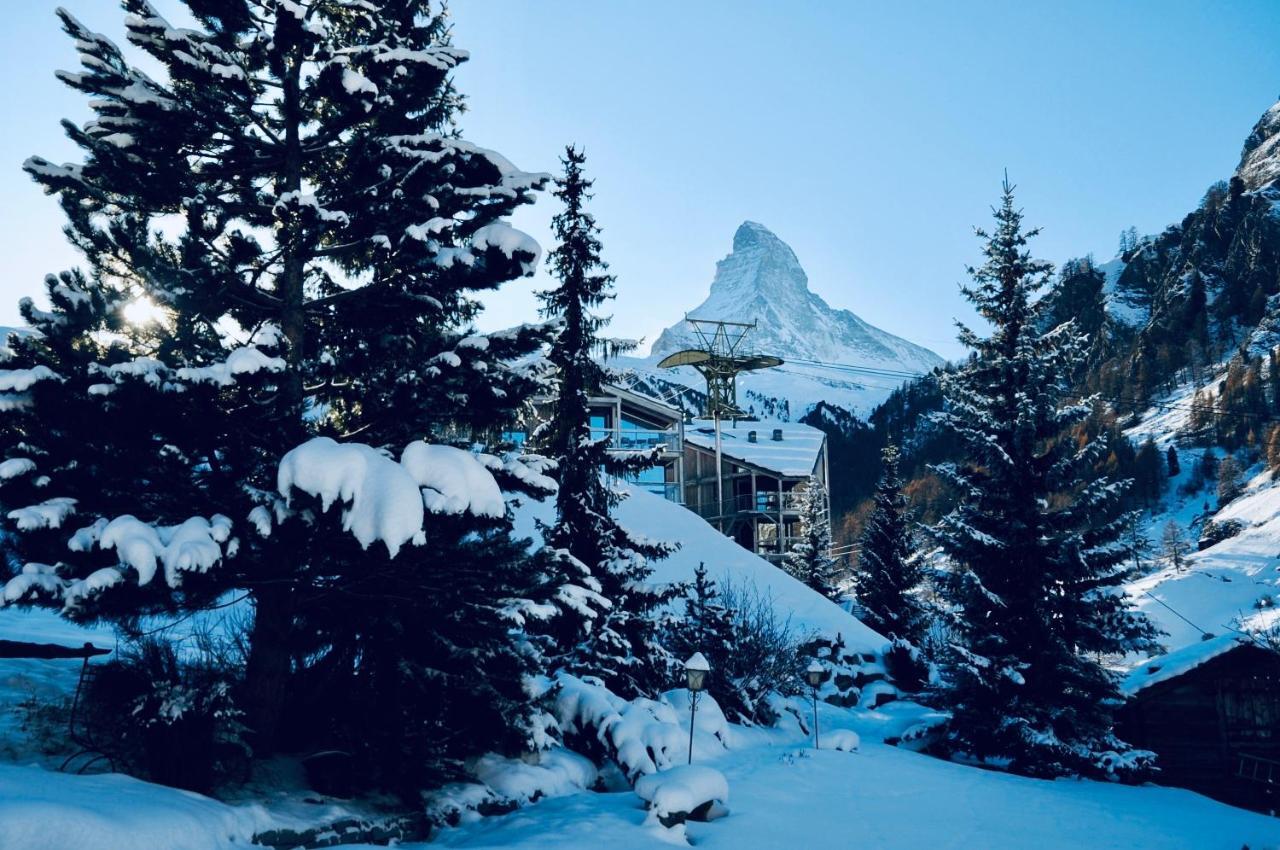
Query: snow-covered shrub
point(641, 736)
point(1216, 531)
point(165, 715)
point(764, 658)
point(906, 665)
point(676, 795)
point(850, 678)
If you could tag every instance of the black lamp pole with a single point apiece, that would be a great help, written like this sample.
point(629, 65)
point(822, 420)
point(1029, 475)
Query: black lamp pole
point(695, 671)
point(814, 675)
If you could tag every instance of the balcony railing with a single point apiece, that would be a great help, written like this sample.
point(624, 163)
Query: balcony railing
point(638, 440)
point(762, 502)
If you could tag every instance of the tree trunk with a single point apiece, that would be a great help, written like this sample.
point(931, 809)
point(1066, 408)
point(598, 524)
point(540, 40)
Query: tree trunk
point(268, 667)
point(269, 664)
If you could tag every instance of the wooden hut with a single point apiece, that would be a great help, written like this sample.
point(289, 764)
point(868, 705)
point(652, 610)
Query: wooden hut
point(1211, 713)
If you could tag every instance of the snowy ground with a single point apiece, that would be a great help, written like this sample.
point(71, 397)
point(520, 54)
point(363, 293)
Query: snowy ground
point(781, 793)
point(887, 798)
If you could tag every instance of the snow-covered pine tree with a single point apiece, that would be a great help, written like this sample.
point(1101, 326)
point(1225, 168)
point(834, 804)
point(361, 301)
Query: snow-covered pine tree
point(611, 625)
point(887, 575)
point(292, 197)
point(1035, 543)
point(707, 625)
point(809, 558)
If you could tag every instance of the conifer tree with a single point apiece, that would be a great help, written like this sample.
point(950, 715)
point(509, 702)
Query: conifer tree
point(887, 576)
point(1034, 544)
point(613, 629)
point(707, 625)
point(294, 201)
point(809, 558)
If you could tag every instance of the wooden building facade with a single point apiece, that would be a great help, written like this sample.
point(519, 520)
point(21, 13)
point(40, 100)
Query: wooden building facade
point(1211, 713)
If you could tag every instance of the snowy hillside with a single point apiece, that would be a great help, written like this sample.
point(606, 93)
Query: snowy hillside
point(727, 563)
point(762, 280)
point(1229, 587)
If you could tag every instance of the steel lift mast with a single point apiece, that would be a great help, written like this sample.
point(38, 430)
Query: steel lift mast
point(720, 360)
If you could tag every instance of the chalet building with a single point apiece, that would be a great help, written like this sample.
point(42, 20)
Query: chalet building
point(1211, 714)
point(635, 422)
point(765, 469)
point(765, 466)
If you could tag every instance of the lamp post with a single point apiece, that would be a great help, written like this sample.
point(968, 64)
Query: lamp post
point(695, 671)
point(814, 675)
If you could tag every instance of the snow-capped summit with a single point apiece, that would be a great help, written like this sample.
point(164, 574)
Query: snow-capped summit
point(1260, 159)
point(761, 280)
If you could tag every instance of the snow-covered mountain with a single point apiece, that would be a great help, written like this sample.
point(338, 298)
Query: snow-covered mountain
point(761, 280)
point(1260, 160)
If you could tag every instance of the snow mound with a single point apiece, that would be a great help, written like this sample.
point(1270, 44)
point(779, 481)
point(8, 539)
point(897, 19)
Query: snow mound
point(843, 740)
point(44, 809)
point(679, 791)
point(558, 772)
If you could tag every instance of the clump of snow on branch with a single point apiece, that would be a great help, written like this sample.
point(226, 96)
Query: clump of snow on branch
point(48, 514)
point(381, 497)
point(21, 380)
point(453, 481)
point(387, 501)
point(194, 545)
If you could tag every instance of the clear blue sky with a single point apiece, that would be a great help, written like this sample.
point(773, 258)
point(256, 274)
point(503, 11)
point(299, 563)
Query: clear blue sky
point(870, 136)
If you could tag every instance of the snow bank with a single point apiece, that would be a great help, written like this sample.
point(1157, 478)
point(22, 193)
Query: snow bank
point(556, 773)
point(44, 809)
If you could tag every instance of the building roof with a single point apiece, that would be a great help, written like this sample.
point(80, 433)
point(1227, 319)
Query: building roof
point(796, 454)
point(649, 403)
point(1162, 668)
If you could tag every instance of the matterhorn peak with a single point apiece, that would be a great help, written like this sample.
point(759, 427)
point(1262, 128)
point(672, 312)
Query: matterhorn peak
point(762, 281)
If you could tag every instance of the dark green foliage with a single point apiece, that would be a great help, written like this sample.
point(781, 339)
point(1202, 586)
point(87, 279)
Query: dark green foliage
point(610, 625)
point(298, 196)
point(1035, 544)
point(888, 577)
point(170, 718)
point(1149, 475)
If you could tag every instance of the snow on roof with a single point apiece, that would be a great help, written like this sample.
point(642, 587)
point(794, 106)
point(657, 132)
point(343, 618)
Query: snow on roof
point(1162, 668)
point(795, 454)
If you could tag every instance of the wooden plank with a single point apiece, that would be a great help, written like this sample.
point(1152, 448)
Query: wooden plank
point(22, 649)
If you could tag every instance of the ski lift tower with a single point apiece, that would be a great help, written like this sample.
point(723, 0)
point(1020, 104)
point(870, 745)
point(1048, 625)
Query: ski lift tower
point(720, 359)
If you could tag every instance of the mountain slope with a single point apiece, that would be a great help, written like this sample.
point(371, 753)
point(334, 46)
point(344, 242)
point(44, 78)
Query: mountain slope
point(762, 280)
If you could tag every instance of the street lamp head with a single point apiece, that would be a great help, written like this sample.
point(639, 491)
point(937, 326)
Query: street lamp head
point(695, 671)
point(814, 674)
